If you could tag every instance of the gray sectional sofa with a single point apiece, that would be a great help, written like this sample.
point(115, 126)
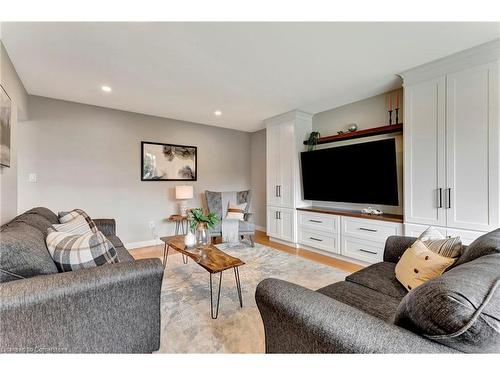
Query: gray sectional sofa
point(111, 308)
point(371, 312)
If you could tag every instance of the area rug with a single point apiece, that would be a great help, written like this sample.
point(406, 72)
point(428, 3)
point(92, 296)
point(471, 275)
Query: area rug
point(186, 324)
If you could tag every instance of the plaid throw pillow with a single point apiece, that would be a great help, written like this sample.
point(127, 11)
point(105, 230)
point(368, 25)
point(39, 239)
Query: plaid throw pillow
point(72, 252)
point(66, 217)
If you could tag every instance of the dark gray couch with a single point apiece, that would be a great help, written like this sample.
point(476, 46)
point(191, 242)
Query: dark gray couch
point(113, 308)
point(371, 312)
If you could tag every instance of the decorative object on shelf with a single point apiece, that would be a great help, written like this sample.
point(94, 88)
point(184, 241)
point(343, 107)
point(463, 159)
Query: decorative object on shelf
point(190, 239)
point(397, 108)
point(167, 162)
point(312, 140)
point(201, 223)
point(352, 128)
point(5, 113)
point(384, 129)
point(371, 211)
point(389, 109)
point(183, 193)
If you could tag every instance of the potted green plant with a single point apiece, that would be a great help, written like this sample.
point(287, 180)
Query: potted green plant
point(201, 223)
point(312, 140)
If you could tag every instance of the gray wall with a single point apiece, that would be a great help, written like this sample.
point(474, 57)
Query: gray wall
point(258, 177)
point(89, 157)
point(19, 98)
point(367, 113)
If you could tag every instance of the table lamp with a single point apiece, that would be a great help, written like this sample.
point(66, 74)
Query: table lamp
point(183, 193)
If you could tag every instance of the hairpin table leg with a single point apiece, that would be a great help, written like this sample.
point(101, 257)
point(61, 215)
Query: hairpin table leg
point(165, 255)
point(238, 284)
point(215, 313)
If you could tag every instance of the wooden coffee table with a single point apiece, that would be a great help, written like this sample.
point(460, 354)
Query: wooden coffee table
point(211, 259)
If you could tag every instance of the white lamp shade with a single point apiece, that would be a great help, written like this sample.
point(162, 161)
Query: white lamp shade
point(183, 192)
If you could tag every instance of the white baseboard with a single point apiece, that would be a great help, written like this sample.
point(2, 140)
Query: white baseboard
point(262, 229)
point(136, 245)
point(291, 244)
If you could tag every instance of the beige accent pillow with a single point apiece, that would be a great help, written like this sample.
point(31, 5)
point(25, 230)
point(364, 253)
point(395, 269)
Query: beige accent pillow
point(236, 211)
point(420, 264)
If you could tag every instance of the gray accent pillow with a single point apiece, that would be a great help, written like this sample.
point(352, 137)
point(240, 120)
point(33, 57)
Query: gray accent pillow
point(488, 243)
point(23, 252)
point(35, 220)
point(459, 309)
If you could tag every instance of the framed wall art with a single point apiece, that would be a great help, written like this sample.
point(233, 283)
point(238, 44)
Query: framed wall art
point(168, 162)
point(5, 116)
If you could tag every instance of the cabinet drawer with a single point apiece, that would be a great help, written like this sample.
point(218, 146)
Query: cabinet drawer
point(322, 222)
point(370, 229)
point(319, 240)
point(466, 236)
point(361, 249)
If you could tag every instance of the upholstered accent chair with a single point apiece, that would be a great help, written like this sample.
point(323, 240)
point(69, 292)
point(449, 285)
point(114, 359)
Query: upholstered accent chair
point(214, 204)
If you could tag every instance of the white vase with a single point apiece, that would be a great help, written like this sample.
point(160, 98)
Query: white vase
point(189, 239)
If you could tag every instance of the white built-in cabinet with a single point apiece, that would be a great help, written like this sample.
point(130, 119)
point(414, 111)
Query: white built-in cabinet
point(424, 152)
point(451, 144)
point(285, 135)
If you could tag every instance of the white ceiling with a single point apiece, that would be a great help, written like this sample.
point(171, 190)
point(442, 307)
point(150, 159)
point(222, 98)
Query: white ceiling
point(250, 71)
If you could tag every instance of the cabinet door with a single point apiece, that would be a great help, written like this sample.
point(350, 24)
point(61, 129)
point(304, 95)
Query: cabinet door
point(287, 223)
point(286, 165)
point(472, 148)
point(424, 143)
point(273, 224)
point(273, 164)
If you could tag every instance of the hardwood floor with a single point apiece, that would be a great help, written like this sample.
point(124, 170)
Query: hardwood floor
point(263, 239)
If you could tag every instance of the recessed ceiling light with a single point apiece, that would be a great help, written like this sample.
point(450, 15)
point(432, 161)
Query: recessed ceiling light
point(106, 88)
point(218, 113)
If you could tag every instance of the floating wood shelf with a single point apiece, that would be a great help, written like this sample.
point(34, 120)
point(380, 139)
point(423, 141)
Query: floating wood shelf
point(386, 129)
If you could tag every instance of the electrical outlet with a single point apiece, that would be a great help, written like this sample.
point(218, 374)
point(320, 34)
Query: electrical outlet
point(32, 177)
point(152, 224)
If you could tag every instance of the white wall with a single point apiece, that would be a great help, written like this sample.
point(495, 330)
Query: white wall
point(19, 98)
point(367, 113)
point(258, 177)
point(90, 157)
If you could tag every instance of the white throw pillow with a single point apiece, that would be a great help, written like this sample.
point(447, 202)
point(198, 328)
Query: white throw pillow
point(236, 211)
point(431, 233)
point(78, 225)
point(65, 217)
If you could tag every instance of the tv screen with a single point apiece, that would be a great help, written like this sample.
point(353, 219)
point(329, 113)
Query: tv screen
point(358, 173)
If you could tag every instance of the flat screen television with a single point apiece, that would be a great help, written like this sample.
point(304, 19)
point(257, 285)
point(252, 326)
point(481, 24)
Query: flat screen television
point(358, 173)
